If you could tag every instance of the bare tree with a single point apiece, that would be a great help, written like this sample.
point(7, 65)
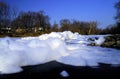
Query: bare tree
point(65, 24)
point(55, 27)
point(32, 21)
point(117, 6)
point(4, 14)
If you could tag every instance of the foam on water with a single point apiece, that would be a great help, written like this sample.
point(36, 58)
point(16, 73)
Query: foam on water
point(64, 74)
point(65, 47)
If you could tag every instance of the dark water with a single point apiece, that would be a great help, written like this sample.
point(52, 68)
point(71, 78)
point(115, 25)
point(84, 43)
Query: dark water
point(52, 70)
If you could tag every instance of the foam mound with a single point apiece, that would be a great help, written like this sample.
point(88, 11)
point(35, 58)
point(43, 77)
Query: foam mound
point(65, 47)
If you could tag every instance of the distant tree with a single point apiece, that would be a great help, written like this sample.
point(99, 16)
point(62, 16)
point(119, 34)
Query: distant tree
point(4, 15)
point(65, 24)
point(55, 27)
point(117, 17)
point(84, 27)
point(117, 6)
point(75, 26)
point(92, 28)
point(32, 21)
point(79, 26)
point(14, 12)
point(43, 21)
point(111, 29)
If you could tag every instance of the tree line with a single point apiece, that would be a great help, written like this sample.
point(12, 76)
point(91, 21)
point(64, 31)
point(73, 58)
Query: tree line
point(13, 22)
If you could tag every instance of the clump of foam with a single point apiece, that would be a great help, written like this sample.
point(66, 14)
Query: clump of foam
point(64, 73)
point(100, 40)
point(33, 51)
point(65, 47)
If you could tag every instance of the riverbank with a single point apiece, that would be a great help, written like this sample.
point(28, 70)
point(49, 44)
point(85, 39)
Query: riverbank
point(112, 41)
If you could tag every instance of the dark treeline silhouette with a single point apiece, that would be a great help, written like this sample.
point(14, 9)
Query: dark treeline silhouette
point(114, 29)
point(77, 26)
point(13, 23)
point(30, 22)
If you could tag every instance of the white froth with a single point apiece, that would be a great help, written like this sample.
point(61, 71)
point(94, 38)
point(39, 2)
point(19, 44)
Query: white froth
point(65, 47)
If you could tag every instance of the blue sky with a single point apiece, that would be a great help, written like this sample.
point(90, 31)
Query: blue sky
point(102, 11)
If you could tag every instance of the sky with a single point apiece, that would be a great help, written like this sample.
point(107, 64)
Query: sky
point(102, 11)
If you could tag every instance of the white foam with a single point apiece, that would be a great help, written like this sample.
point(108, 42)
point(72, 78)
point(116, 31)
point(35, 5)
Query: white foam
point(65, 47)
point(64, 74)
point(100, 40)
